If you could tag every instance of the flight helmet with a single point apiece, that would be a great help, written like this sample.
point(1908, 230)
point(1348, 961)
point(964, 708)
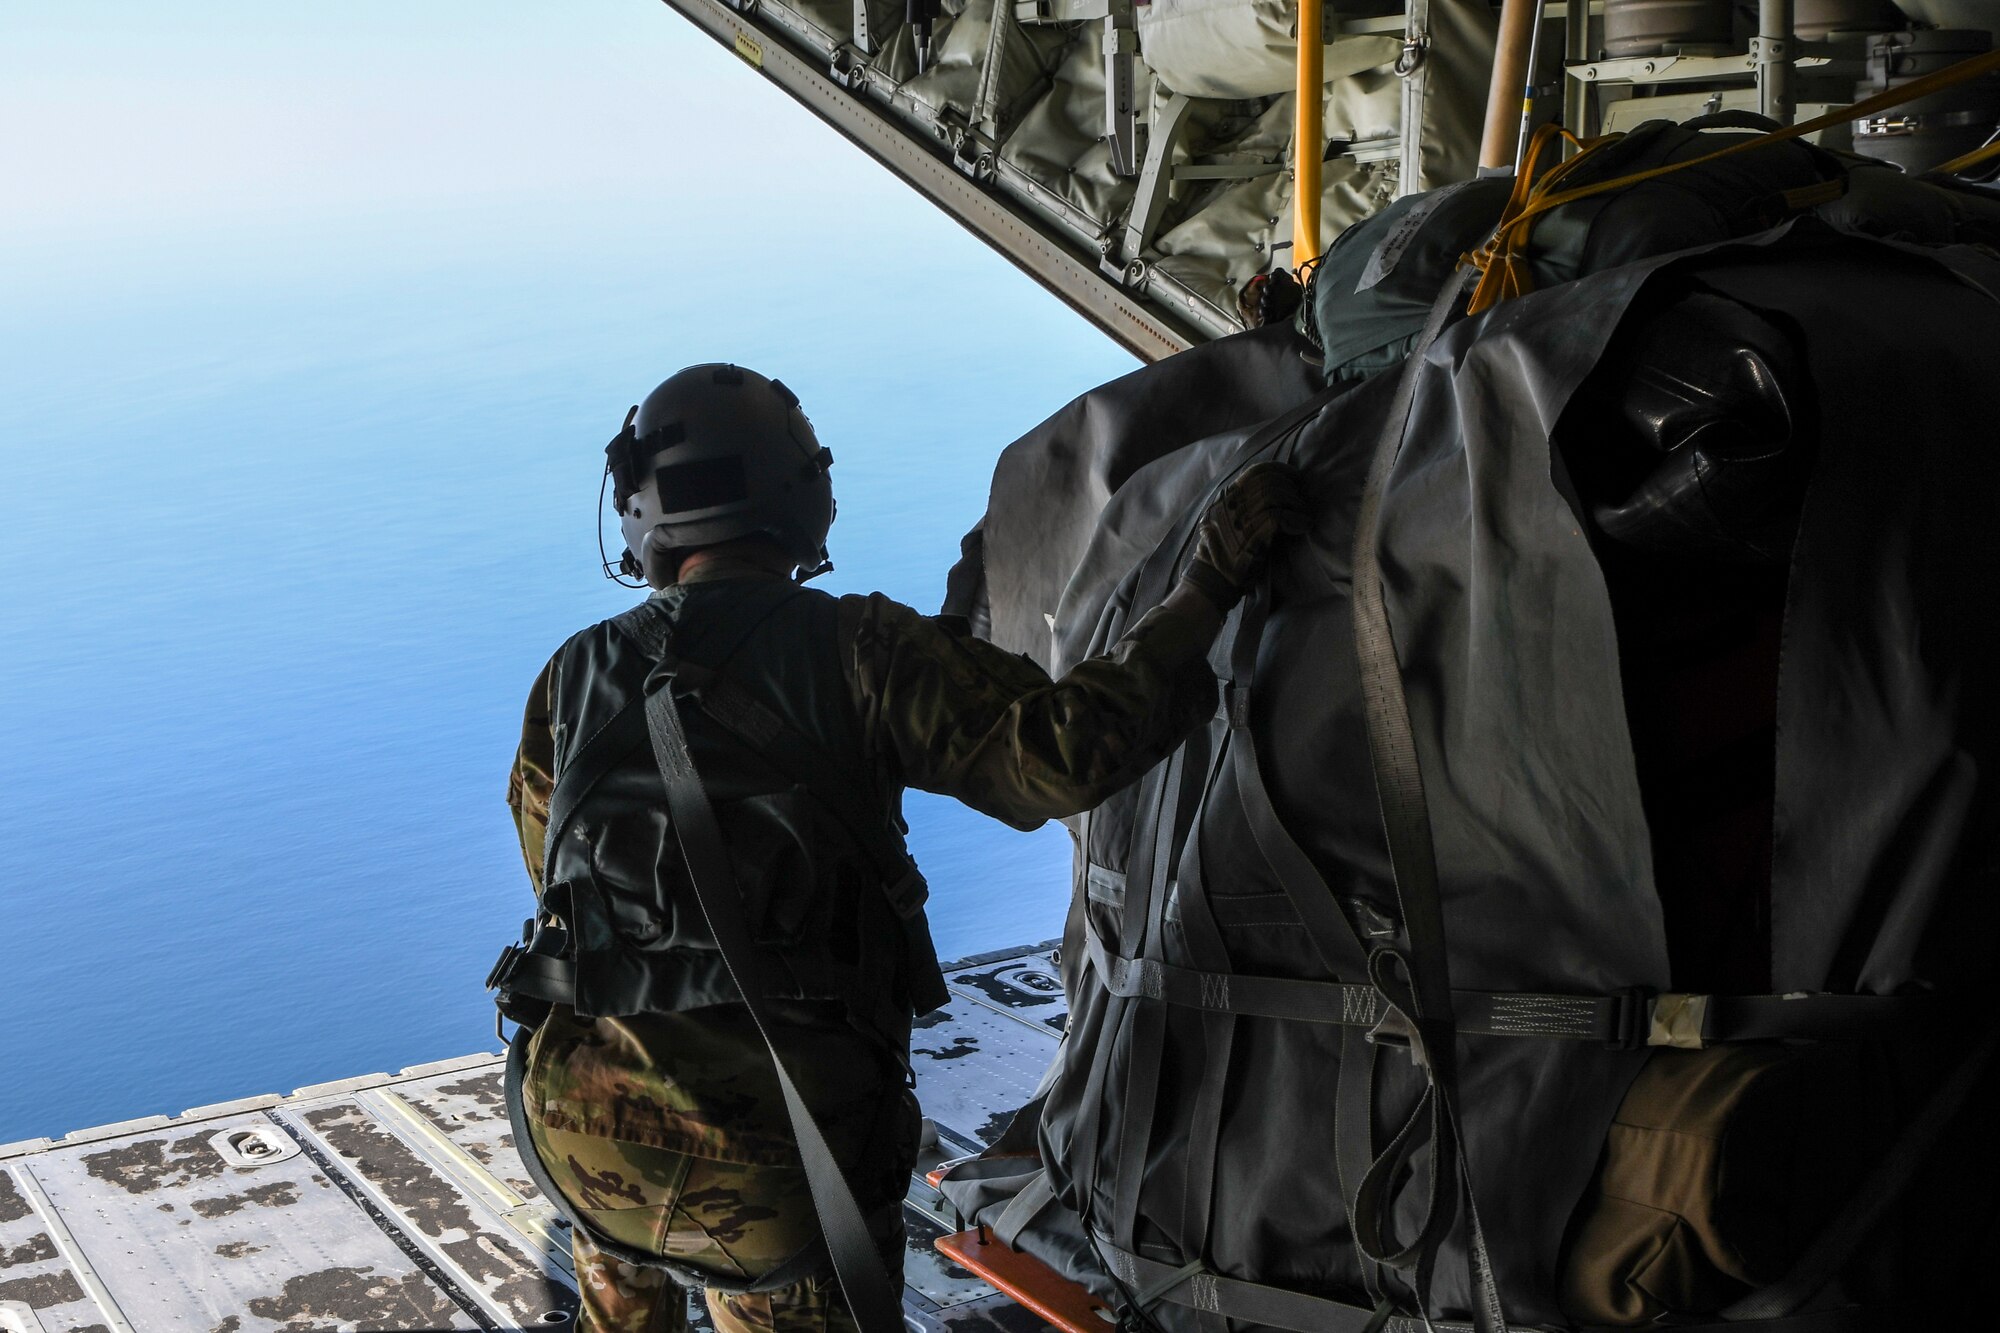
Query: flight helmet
point(715, 453)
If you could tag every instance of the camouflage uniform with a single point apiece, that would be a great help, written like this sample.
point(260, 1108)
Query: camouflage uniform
point(669, 1128)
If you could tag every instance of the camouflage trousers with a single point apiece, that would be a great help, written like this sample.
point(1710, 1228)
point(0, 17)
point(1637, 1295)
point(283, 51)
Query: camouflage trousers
point(730, 1219)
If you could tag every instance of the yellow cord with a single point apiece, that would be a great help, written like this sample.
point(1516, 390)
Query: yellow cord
point(1972, 159)
point(1503, 270)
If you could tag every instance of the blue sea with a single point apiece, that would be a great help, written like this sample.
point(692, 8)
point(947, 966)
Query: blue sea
point(302, 404)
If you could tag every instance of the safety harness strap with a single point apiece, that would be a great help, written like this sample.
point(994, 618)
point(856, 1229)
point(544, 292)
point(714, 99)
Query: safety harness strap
point(739, 710)
point(610, 743)
point(595, 758)
point(871, 1295)
point(1341, 948)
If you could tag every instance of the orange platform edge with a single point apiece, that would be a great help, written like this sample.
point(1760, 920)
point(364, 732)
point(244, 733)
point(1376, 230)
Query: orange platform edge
point(1029, 1281)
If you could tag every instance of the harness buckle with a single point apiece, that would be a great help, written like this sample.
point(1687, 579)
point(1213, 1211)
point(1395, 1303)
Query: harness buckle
point(908, 894)
point(1631, 1019)
point(503, 968)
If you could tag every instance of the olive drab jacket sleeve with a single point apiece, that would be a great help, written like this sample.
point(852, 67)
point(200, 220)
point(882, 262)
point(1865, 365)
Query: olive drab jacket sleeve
point(532, 778)
point(952, 714)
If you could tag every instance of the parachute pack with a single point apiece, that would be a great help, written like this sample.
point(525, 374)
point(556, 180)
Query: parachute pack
point(1576, 914)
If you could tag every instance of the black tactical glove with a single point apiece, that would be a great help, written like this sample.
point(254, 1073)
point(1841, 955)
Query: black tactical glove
point(1264, 500)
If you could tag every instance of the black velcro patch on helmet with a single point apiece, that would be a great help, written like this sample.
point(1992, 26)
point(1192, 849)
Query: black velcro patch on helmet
point(701, 484)
point(668, 435)
point(785, 395)
point(728, 375)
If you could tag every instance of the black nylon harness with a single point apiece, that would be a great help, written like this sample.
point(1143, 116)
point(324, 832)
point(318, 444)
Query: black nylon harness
point(532, 977)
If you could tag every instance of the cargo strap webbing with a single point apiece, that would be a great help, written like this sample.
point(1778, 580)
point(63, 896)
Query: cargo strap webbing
point(1023, 1208)
point(1200, 1153)
point(872, 1296)
point(1280, 1307)
point(1418, 982)
point(1259, 1303)
point(1161, 813)
point(1341, 949)
point(610, 743)
point(1625, 1021)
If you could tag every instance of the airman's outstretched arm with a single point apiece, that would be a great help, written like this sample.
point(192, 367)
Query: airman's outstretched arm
point(953, 714)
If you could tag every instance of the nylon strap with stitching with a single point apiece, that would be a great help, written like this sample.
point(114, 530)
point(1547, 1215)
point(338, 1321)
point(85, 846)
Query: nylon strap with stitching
point(594, 758)
point(1024, 1208)
point(1148, 1023)
point(1427, 1002)
point(1341, 950)
point(872, 1298)
point(738, 710)
point(1114, 1029)
point(1259, 1303)
point(1199, 1159)
point(1139, 1030)
point(1613, 1020)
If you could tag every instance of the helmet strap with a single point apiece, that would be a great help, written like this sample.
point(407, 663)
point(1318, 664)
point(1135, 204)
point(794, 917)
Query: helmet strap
point(625, 570)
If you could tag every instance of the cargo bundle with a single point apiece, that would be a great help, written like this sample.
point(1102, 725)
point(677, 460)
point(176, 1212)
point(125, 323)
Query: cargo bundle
point(1575, 913)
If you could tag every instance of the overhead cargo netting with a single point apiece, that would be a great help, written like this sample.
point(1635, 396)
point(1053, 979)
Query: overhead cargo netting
point(1138, 159)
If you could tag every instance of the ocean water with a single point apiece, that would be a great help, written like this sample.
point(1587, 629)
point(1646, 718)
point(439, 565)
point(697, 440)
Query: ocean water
point(298, 496)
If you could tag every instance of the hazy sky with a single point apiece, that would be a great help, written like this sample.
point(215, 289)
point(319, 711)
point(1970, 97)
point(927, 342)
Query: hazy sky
point(314, 318)
point(137, 115)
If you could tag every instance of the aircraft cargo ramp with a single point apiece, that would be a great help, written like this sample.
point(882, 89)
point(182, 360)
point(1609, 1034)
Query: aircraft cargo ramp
point(397, 1202)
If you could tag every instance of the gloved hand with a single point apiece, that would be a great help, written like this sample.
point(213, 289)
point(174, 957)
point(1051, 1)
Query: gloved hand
point(1264, 500)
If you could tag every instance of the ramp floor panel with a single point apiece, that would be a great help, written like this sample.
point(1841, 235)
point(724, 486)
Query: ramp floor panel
point(397, 1202)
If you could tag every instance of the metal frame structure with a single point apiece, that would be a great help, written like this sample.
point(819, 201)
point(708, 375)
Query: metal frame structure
point(1101, 270)
point(1766, 73)
point(984, 196)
